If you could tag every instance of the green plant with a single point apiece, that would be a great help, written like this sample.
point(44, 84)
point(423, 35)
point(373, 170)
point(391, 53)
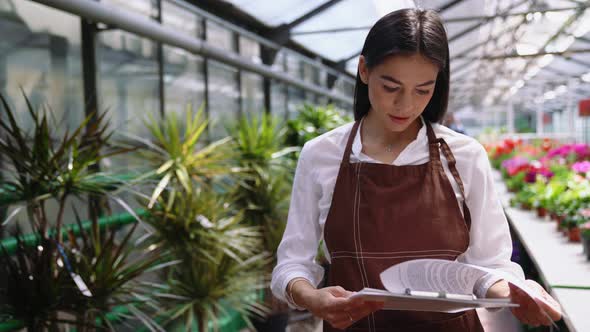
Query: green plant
point(194, 217)
point(312, 121)
point(30, 288)
point(112, 270)
point(221, 260)
point(263, 191)
point(41, 165)
point(173, 151)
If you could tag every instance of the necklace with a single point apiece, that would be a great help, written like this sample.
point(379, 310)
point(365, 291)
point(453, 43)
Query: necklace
point(389, 148)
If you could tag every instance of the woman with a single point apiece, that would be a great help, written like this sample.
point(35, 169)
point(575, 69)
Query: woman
point(380, 192)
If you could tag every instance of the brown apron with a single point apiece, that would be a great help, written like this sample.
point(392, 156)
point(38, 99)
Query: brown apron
point(383, 215)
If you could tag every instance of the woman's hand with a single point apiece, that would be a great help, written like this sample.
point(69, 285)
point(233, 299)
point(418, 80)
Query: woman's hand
point(333, 305)
point(531, 311)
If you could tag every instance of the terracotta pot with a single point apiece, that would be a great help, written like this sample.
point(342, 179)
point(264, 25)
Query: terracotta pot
point(541, 212)
point(553, 216)
point(526, 206)
point(574, 234)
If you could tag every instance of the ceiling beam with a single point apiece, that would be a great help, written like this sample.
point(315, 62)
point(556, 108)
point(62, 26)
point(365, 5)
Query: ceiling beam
point(506, 15)
point(479, 24)
point(439, 10)
point(565, 53)
point(312, 13)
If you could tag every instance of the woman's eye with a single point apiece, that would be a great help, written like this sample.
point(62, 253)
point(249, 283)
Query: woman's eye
point(423, 92)
point(390, 89)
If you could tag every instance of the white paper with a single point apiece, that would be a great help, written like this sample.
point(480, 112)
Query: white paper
point(432, 278)
point(434, 275)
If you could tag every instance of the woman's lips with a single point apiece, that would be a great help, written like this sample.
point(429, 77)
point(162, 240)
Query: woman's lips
point(398, 119)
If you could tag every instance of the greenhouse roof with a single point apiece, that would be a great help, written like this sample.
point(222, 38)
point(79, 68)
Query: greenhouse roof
point(531, 51)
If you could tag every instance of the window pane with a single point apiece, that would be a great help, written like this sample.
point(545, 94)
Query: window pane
point(181, 19)
point(223, 97)
point(128, 87)
point(278, 99)
point(42, 58)
point(219, 36)
point(252, 93)
point(184, 82)
point(296, 98)
point(143, 7)
point(250, 49)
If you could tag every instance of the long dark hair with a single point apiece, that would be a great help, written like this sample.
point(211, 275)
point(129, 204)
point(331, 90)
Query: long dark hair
point(408, 31)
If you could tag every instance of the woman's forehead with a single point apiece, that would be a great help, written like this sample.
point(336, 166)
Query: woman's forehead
point(414, 68)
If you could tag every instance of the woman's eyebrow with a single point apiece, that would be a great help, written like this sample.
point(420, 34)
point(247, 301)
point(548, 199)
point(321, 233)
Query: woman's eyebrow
point(391, 79)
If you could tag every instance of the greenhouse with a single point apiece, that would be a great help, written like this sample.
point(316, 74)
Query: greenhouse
point(318, 165)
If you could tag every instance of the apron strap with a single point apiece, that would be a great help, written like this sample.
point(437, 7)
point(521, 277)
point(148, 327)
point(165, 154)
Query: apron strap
point(433, 145)
point(453, 168)
point(348, 150)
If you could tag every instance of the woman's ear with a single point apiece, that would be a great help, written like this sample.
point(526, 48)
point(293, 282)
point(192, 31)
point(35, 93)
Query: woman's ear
point(363, 70)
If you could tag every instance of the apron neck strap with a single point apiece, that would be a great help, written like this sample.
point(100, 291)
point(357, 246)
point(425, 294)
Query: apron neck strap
point(348, 150)
point(452, 163)
point(433, 144)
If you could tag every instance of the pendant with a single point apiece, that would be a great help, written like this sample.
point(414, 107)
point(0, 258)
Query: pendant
point(389, 148)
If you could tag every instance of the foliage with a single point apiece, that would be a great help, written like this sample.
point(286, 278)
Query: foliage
point(313, 121)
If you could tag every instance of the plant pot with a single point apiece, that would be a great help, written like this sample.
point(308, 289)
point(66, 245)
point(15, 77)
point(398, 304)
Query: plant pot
point(273, 323)
point(526, 206)
point(553, 216)
point(559, 222)
point(541, 212)
point(574, 234)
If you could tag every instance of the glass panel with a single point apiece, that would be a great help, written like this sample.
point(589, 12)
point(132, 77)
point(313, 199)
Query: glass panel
point(294, 66)
point(144, 7)
point(128, 82)
point(223, 97)
point(296, 98)
point(252, 93)
point(181, 19)
point(250, 49)
point(43, 58)
point(184, 82)
point(278, 99)
point(219, 36)
point(278, 11)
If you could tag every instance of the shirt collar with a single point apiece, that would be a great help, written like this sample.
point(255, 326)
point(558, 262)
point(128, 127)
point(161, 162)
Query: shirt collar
point(357, 144)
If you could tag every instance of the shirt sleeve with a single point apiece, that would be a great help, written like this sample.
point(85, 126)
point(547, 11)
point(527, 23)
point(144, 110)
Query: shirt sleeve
point(298, 248)
point(490, 241)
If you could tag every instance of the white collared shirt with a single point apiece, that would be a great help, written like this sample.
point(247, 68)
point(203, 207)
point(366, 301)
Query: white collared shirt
point(313, 186)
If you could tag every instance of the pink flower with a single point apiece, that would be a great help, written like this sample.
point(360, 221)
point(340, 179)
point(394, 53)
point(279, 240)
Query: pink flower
point(581, 167)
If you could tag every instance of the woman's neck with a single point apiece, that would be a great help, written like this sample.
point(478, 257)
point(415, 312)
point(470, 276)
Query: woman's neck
point(374, 131)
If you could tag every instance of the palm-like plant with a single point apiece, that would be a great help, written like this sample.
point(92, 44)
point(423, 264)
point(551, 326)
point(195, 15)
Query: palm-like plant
point(221, 260)
point(41, 166)
point(27, 291)
point(220, 256)
point(173, 150)
point(112, 270)
point(312, 121)
point(263, 191)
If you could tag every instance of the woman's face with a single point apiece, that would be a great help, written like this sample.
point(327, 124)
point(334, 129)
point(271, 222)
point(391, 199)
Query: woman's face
point(400, 87)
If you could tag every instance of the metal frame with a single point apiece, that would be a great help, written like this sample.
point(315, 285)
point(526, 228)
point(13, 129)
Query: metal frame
point(139, 25)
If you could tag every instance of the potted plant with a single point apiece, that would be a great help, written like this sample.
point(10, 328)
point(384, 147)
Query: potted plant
point(46, 281)
point(263, 194)
point(192, 214)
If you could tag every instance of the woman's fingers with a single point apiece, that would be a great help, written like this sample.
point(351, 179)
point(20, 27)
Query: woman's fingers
point(532, 312)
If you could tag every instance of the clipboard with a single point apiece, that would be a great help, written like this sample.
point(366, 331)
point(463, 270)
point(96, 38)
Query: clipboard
point(430, 301)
